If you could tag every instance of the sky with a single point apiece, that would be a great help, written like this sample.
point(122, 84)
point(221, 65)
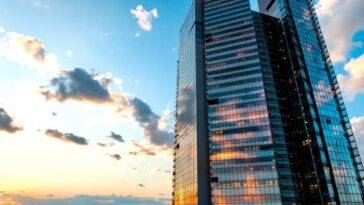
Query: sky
point(87, 92)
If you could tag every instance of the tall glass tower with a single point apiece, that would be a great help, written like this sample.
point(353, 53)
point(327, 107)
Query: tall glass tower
point(259, 117)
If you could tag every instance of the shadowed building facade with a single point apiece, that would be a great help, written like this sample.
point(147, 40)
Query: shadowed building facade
point(259, 117)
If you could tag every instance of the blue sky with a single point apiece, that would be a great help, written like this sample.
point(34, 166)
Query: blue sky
point(101, 37)
point(54, 144)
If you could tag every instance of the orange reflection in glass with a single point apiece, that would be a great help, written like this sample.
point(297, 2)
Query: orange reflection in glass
point(219, 198)
point(230, 155)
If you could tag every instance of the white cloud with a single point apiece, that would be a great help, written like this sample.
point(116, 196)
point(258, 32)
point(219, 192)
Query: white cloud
point(28, 51)
point(352, 84)
point(2, 30)
point(358, 128)
point(137, 34)
point(69, 54)
point(166, 122)
point(144, 17)
point(326, 6)
point(340, 21)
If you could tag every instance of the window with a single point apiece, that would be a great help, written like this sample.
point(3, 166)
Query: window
point(213, 101)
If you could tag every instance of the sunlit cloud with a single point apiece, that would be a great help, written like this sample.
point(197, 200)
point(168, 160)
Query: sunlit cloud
point(141, 149)
point(144, 17)
point(66, 137)
point(24, 101)
point(347, 14)
point(352, 83)
point(28, 51)
point(7, 123)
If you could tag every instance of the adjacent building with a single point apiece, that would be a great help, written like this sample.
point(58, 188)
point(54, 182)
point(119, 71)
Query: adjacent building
point(260, 118)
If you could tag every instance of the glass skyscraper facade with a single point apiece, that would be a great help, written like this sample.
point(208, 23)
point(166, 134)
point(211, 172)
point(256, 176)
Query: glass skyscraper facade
point(259, 116)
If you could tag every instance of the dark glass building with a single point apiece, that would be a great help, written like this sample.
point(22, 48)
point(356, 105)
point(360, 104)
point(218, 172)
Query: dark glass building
point(259, 117)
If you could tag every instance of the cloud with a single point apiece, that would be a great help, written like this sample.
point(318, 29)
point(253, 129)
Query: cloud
point(167, 171)
point(340, 21)
point(149, 121)
point(141, 185)
point(115, 156)
point(352, 84)
point(7, 123)
point(101, 144)
point(28, 51)
point(166, 122)
point(133, 153)
point(142, 150)
point(79, 85)
point(92, 200)
point(40, 4)
point(66, 137)
point(358, 129)
point(69, 54)
point(144, 17)
point(2, 30)
point(104, 36)
point(116, 137)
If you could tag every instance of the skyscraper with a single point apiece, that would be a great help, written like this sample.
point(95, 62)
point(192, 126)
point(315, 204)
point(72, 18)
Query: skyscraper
point(259, 117)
